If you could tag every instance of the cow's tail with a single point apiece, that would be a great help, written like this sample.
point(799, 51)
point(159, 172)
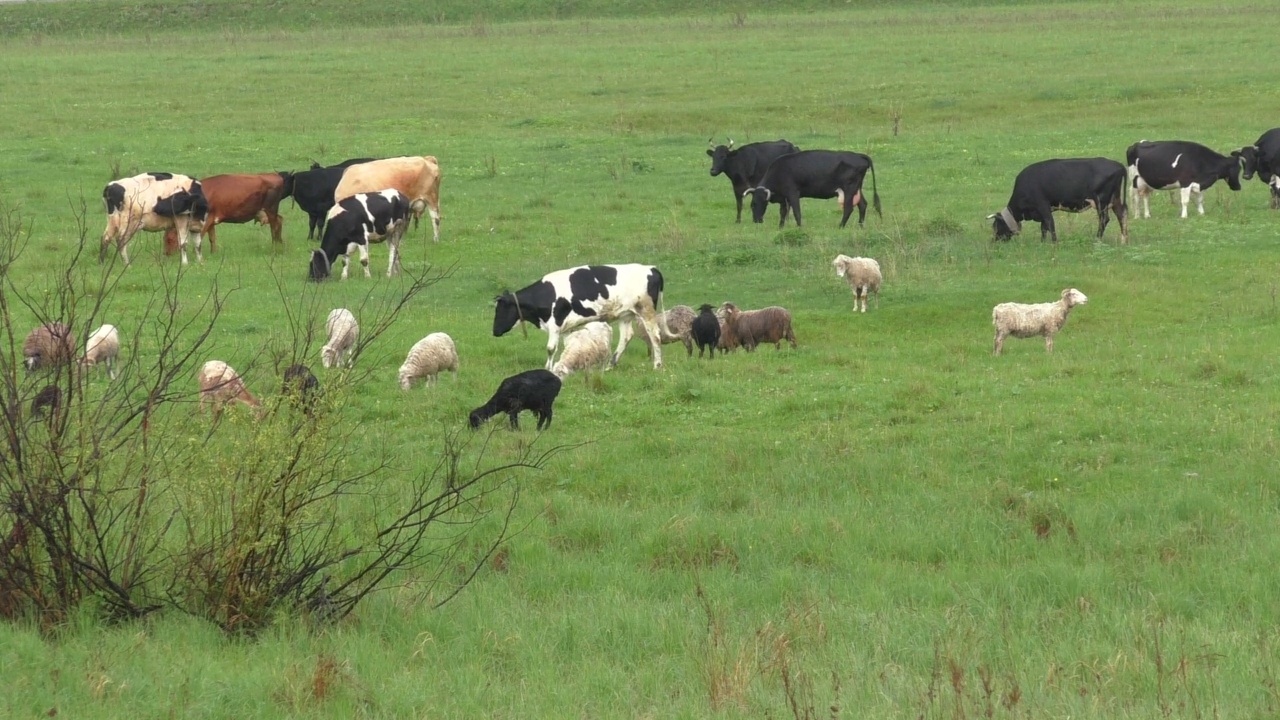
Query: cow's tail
point(875, 195)
point(656, 284)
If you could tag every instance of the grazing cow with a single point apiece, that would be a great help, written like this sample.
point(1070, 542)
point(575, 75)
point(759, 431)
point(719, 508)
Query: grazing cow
point(1263, 158)
point(357, 221)
point(416, 177)
point(153, 202)
point(745, 166)
point(1072, 184)
point(312, 190)
point(814, 174)
point(568, 299)
point(239, 199)
point(1192, 167)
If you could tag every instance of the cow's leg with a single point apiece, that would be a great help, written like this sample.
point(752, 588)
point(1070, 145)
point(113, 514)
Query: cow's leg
point(1199, 193)
point(846, 205)
point(346, 260)
point(650, 322)
point(737, 196)
point(199, 254)
point(435, 223)
point(277, 228)
point(783, 209)
point(553, 341)
point(1185, 193)
point(1122, 217)
point(625, 324)
point(1275, 192)
point(184, 233)
point(1104, 217)
point(795, 208)
point(861, 201)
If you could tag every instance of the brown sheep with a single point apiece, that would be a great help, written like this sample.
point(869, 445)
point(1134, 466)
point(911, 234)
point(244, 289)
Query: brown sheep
point(50, 345)
point(750, 328)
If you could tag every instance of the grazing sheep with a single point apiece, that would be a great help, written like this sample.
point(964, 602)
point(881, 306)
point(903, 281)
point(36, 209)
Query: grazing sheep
point(343, 333)
point(49, 345)
point(49, 398)
point(1024, 321)
point(673, 327)
point(220, 384)
point(586, 349)
point(863, 275)
point(301, 387)
point(103, 346)
point(429, 357)
point(750, 328)
point(705, 330)
point(533, 390)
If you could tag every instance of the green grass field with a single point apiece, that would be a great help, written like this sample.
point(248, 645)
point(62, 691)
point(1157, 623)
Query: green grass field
point(886, 522)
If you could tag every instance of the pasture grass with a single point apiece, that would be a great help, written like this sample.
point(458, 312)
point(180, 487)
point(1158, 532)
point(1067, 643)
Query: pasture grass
point(886, 521)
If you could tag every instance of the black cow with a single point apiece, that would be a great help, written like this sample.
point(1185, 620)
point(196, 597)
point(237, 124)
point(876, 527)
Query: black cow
point(1263, 158)
point(357, 221)
point(1071, 184)
point(1192, 167)
point(814, 174)
point(745, 166)
point(533, 390)
point(312, 190)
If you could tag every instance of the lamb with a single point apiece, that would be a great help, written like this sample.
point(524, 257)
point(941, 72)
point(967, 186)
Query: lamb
point(220, 384)
point(343, 333)
point(673, 327)
point(586, 349)
point(1024, 321)
point(863, 275)
point(103, 346)
point(429, 357)
point(705, 330)
point(750, 328)
point(49, 399)
point(301, 387)
point(533, 390)
point(48, 346)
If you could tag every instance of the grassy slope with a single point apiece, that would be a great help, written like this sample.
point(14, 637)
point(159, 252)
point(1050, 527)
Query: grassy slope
point(887, 509)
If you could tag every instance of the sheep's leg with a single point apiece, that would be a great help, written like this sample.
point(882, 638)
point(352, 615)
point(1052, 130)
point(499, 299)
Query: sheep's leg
point(515, 421)
point(544, 419)
point(999, 342)
point(1048, 343)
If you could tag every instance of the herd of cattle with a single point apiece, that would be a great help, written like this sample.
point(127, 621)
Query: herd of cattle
point(367, 200)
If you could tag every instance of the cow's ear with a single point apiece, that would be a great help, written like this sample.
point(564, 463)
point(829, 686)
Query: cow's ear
point(992, 216)
point(711, 153)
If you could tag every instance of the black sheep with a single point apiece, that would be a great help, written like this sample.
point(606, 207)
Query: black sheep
point(301, 387)
point(49, 399)
point(533, 390)
point(706, 330)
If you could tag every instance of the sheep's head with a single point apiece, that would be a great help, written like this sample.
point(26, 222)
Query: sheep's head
point(841, 264)
point(729, 312)
point(1073, 297)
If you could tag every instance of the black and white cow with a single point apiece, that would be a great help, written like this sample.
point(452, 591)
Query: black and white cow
point(1070, 184)
point(1192, 167)
point(312, 190)
point(568, 299)
point(153, 202)
point(355, 222)
point(1263, 158)
point(814, 174)
point(746, 165)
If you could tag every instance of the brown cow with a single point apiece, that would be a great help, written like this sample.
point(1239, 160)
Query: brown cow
point(417, 177)
point(239, 199)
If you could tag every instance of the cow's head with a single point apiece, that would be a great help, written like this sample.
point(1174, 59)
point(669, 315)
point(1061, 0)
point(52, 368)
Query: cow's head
point(760, 199)
point(718, 155)
point(1248, 159)
point(1233, 170)
point(320, 266)
point(506, 313)
point(1004, 224)
point(286, 179)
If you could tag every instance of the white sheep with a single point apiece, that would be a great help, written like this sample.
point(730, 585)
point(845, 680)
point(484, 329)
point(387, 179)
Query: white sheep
point(221, 384)
point(863, 275)
point(1024, 321)
point(343, 333)
point(103, 346)
point(429, 357)
point(585, 350)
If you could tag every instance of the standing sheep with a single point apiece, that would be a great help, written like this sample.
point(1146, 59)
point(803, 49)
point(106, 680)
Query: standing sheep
point(1024, 321)
point(863, 275)
point(533, 390)
point(103, 346)
point(750, 328)
point(343, 332)
point(429, 357)
point(220, 384)
point(50, 345)
point(705, 330)
point(586, 349)
point(672, 327)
